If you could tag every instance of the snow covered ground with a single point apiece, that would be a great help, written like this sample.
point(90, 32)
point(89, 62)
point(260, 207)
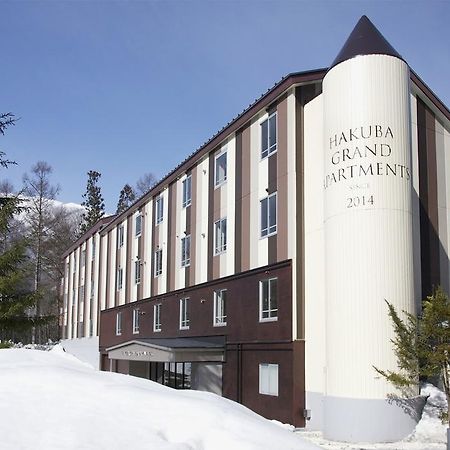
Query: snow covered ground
point(52, 401)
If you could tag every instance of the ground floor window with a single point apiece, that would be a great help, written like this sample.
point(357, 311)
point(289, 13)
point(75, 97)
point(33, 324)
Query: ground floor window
point(268, 379)
point(177, 375)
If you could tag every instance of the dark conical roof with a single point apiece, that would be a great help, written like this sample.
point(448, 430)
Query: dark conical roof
point(365, 39)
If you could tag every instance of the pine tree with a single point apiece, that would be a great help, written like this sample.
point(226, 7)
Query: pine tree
point(93, 202)
point(127, 197)
point(422, 345)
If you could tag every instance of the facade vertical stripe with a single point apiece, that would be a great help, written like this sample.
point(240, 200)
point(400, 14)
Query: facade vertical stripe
point(245, 195)
point(238, 202)
point(128, 263)
point(211, 216)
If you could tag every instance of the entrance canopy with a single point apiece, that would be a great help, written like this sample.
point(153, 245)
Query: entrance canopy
point(188, 349)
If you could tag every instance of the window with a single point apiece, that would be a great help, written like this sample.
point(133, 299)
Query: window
point(220, 169)
point(83, 258)
point(157, 317)
point(137, 271)
point(220, 236)
point(220, 312)
point(81, 294)
point(74, 263)
point(268, 305)
point(269, 215)
point(158, 262)
point(187, 185)
point(269, 135)
point(138, 225)
point(186, 251)
point(119, 323)
point(184, 313)
point(119, 278)
point(136, 315)
point(73, 296)
point(159, 206)
point(268, 379)
point(120, 234)
point(92, 289)
point(93, 247)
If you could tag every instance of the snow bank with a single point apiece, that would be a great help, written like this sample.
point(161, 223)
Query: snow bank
point(430, 427)
point(51, 401)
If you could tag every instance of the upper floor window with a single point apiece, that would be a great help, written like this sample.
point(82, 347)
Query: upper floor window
point(93, 247)
point(184, 313)
point(81, 294)
point(138, 225)
point(269, 135)
point(92, 289)
point(268, 300)
point(137, 271)
point(220, 169)
point(186, 251)
point(268, 379)
point(158, 262)
point(269, 215)
point(120, 235)
point(220, 236)
point(157, 317)
point(159, 209)
point(119, 283)
point(136, 314)
point(220, 311)
point(83, 258)
point(187, 188)
point(119, 323)
point(74, 263)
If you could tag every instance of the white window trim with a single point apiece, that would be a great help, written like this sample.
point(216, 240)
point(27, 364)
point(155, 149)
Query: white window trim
point(186, 301)
point(219, 252)
point(216, 157)
point(155, 262)
point(276, 216)
point(119, 322)
point(158, 199)
point(266, 367)
point(261, 318)
point(185, 263)
point(155, 329)
point(136, 279)
point(136, 234)
point(263, 119)
point(135, 321)
point(215, 322)
point(184, 183)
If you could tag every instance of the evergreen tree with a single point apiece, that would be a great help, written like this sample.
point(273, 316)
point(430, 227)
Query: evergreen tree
point(422, 345)
point(93, 202)
point(127, 197)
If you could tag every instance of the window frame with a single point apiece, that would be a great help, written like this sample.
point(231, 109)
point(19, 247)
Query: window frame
point(271, 149)
point(136, 314)
point(119, 323)
point(261, 230)
point(157, 326)
point(270, 318)
point(138, 232)
point(218, 296)
point(220, 182)
point(219, 249)
point(119, 279)
point(120, 236)
point(185, 183)
point(273, 384)
point(186, 261)
point(159, 209)
point(184, 313)
point(137, 272)
point(156, 272)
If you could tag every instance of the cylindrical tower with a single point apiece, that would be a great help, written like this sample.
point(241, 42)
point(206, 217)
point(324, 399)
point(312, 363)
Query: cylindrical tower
point(368, 233)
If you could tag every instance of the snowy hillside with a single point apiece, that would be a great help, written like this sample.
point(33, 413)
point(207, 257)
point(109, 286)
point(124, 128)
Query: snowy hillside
point(52, 401)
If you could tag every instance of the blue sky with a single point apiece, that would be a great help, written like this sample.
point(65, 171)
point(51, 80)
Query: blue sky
point(129, 87)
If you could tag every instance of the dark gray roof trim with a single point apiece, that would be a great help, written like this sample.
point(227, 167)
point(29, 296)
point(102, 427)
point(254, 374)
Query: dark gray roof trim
point(365, 39)
point(189, 343)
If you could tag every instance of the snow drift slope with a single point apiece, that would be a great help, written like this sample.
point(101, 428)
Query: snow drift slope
point(51, 401)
